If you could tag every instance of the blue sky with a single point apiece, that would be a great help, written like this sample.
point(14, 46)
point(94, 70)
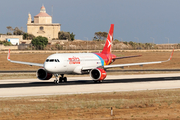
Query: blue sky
point(142, 19)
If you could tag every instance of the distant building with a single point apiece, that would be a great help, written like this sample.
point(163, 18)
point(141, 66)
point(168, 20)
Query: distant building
point(42, 25)
point(4, 37)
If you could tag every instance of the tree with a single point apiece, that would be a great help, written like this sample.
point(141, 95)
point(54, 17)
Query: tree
point(100, 35)
point(6, 43)
point(9, 33)
point(27, 36)
point(64, 35)
point(72, 36)
point(10, 29)
point(132, 43)
point(126, 43)
point(39, 42)
point(116, 40)
point(17, 31)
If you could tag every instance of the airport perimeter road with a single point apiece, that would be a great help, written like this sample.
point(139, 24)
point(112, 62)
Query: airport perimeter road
point(80, 85)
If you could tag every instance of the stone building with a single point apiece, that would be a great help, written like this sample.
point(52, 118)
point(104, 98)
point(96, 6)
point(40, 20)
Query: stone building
point(42, 25)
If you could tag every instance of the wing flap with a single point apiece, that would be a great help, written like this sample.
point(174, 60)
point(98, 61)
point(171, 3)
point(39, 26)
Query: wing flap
point(131, 64)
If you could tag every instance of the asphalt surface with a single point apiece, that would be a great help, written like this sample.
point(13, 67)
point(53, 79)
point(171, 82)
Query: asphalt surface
point(80, 85)
point(109, 70)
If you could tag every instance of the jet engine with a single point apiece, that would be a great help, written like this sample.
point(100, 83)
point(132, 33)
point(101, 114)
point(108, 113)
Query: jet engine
point(43, 75)
point(98, 74)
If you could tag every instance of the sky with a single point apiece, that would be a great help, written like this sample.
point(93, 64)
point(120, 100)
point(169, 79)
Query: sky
point(134, 20)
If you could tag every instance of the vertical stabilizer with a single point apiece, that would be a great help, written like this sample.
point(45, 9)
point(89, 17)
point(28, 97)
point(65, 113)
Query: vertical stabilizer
point(108, 44)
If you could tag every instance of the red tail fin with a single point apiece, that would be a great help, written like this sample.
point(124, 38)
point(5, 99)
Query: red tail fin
point(107, 47)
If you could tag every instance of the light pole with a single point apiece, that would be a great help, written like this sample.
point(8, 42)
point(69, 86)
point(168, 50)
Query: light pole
point(168, 41)
point(137, 41)
point(153, 39)
point(87, 42)
point(153, 42)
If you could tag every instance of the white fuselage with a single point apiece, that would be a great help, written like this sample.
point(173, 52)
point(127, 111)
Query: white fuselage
point(67, 63)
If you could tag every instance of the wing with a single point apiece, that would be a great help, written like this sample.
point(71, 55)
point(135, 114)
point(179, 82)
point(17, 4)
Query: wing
point(140, 64)
point(129, 64)
point(26, 63)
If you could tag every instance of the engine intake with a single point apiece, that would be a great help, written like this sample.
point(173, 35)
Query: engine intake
point(98, 74)
point(43, 75)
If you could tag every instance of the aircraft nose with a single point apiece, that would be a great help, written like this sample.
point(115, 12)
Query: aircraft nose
point(47, 67)
point(50, 68)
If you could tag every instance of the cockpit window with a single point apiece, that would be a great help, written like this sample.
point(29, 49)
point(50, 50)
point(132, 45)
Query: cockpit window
point(52, 60)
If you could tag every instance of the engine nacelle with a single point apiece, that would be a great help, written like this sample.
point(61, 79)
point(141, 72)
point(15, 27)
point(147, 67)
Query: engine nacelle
point(43, 75)
point(98, 74)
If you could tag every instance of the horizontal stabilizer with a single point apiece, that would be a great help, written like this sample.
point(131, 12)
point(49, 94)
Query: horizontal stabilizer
point(127, 57)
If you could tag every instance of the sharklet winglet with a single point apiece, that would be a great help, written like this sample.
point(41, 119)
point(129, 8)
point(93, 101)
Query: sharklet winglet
point(8, 57)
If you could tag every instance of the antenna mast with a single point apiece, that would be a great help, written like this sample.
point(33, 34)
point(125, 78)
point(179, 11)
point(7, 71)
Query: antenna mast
point(52, 12)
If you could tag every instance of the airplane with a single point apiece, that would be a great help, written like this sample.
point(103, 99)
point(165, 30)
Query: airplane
point(94, 64)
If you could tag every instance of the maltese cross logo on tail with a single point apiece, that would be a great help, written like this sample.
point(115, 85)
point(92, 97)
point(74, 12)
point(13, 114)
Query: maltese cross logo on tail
point(109, 41)
point(108, 44)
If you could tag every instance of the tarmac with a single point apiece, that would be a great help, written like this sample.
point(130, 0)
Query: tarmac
point(83, 85)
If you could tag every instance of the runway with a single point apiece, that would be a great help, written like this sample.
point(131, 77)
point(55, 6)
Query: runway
point(80, 85)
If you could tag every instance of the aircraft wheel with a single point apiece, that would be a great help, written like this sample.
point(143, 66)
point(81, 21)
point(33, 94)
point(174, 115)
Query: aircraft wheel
point(95, 81)
point(65, 79)
point(55, 81)
point(60, 80)
point(100, 81)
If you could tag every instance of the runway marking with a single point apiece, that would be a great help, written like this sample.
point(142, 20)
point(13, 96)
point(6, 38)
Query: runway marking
point(83, 85)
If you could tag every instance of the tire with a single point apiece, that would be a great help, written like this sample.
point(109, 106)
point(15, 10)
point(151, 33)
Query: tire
point(65, 79)
point(95, 81)
point(60, 80)
point(100, 81)
point(55, 82)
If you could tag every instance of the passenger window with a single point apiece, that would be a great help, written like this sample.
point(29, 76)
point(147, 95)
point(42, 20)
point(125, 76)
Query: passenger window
point(51, 60)
point(47, 60)
point(58, 60)
point(55, 60)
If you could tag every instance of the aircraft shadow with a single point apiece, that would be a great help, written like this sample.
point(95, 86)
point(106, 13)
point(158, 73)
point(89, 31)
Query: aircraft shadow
point(87, 82)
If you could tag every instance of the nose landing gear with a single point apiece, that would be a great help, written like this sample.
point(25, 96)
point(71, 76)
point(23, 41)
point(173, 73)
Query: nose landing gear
point(61, 79)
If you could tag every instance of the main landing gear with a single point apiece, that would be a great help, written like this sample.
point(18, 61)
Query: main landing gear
point(61, 79)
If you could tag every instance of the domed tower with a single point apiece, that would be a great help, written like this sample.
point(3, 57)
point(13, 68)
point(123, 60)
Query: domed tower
point(43, 17)
point(43, 26)
point(43, 9)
